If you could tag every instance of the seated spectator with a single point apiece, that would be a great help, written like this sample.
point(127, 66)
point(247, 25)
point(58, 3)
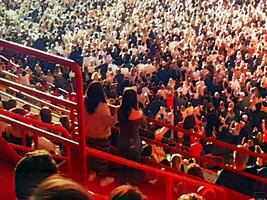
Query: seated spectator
point(58, 188)
point(126, 192)
point(177, 162)
point(31, 170)
point(65, 122)
point(196, 148)
point(43, 143)
point(195, 170)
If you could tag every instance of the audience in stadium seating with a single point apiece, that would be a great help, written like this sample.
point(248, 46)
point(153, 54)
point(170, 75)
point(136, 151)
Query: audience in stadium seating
point(200, 65)
point(59, 188)
point(126, 192)
point(31, 170)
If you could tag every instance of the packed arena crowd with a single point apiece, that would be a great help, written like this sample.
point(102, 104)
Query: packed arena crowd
point(199, 65)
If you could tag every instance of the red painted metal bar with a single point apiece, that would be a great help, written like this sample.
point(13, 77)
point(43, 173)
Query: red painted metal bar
point(29, 120)
point(208, 139)
point(171, 176)
point(221, 165)
point(39, 100)
point(28, 149)
point(81, 158)
point(38, 131)
point(205, 138)
point(7, 153)
point(37, 93)
point(16, 65)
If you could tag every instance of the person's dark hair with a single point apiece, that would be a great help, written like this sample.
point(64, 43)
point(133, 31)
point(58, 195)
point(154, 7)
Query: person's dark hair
point(11, 103)
point(65, 122)
point(58, 188)
point(46, 115)
point(165, 162)
point(258, 106)
point(94, 95)
point(195, 170)
point(126, 192)
point(259, 186)
point(129, 101)
point(31, 170)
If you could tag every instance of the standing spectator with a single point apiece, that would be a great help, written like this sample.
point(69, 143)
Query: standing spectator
point(130, 120)
point(98, 131)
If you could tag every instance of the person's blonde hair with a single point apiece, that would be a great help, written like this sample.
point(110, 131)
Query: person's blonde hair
point(57, 187)
point(125, 192)
point(191, 196)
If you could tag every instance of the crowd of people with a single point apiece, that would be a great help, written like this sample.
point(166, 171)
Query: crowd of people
point(200, 65)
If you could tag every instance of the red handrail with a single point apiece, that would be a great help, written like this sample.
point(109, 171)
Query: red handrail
point(29, 120)
point(81, 171)
point(38, 131)
point(25, 126)
point(208, 139)
point(16, 65)
point(203, 137)
point(38, 93)
point(223, 166)
point(170, 176)
point(28, 149)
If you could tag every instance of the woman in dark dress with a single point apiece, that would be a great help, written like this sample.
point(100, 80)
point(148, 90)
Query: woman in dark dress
point(129, 143)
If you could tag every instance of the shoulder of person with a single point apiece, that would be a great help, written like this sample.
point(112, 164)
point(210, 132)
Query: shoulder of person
point(136, 114)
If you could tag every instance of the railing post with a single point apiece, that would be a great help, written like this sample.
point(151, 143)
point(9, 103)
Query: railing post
point(72, 115)
point(169, 188)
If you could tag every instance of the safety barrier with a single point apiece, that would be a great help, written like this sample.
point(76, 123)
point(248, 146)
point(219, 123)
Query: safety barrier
point(36, 77)
point(78, 155)
point(208, 139)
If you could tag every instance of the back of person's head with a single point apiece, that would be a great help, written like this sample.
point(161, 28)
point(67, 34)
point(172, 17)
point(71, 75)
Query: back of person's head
point(46, 115)
point(129, 101)
point(11, 103)
point(65, 122)
point(241, 158)
point(258, 106)
point(31, 170)
point(195, 170)
point(126, 192)
point(176, 161)
point(191, 196)
point(262, 187)
point(165, 162)
point(58, 188)
point(94, 95)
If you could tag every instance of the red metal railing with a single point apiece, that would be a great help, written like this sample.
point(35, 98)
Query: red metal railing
point(216, 191)
point(221, 165)
point(208, 139)
point(40, 132)
point(78, 155)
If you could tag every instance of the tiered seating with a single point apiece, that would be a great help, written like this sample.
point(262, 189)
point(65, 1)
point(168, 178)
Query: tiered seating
point(76, 145)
